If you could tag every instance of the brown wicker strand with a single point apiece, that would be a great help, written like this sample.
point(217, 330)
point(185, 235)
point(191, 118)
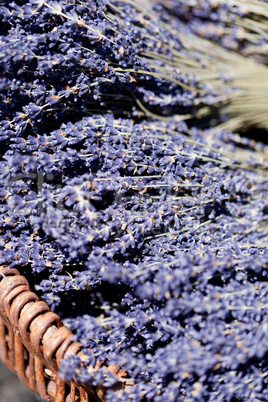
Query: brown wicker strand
point(40, 379)
point(60, 390)
point(29, 371)
point(3, 343)
point(20, 361)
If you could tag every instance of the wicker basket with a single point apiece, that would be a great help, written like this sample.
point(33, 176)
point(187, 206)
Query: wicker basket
point(33, 341)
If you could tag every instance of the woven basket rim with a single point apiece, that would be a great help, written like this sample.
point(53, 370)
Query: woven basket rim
point(43, 334)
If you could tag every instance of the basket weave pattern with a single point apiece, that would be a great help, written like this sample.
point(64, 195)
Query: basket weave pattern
point(33, 342)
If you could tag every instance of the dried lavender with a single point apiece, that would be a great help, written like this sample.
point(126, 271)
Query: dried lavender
point(148, 237)
point(62, 61)
point(150, 240)
point(239, 26)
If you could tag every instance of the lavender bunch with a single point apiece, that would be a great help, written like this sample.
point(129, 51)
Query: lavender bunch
point(150, 240)
point(64, 60)
point(147, 235)
point(239, 26)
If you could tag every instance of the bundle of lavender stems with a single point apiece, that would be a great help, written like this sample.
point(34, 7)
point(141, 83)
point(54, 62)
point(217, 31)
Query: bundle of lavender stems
point(237, 25)
point(133, 192)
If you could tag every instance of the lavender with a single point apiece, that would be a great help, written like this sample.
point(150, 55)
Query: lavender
point(150, 240)
point(238, 29)
point(236, 26)
point(62, 61)
point(146, 233)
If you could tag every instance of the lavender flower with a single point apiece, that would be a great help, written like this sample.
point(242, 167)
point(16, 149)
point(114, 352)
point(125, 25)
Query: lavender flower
point(146, 234)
